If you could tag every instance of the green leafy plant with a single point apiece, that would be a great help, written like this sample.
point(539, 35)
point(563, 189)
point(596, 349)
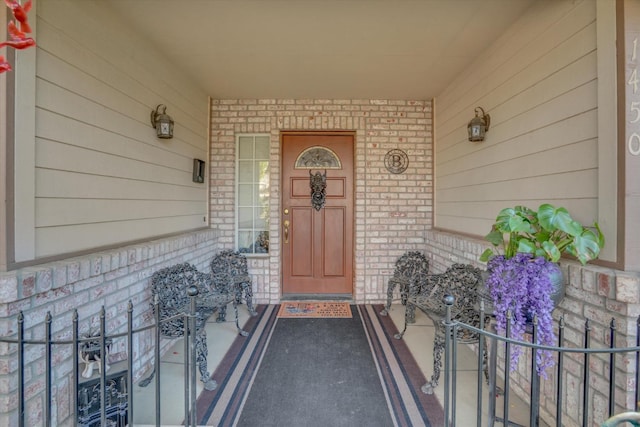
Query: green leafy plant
point(520, 280)
point(548, 232)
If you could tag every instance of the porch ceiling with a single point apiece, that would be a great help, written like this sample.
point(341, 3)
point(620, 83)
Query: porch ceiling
point(326, 49)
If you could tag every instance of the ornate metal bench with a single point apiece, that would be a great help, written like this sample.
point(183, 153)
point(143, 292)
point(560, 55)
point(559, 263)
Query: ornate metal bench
point(170, 287)
point(463, 282)
point(229, 273)
point(409, 270)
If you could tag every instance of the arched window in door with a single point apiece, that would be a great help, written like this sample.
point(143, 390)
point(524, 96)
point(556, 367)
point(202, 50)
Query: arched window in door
point(318, 157)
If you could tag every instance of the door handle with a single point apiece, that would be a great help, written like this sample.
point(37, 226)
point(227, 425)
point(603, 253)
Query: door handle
point(286, 231)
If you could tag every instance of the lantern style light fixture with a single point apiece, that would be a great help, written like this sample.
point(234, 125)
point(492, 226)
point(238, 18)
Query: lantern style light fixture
point(479, 125)
point(162, 122)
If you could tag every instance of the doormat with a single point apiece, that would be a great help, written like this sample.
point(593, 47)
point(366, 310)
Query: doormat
point(257, 362)
point(315, 309)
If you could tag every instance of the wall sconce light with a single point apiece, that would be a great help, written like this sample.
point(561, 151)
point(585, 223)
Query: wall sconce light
point(478, 126)
point(162, 122)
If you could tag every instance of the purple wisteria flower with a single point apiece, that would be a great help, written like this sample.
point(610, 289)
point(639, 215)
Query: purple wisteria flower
point(523, 285)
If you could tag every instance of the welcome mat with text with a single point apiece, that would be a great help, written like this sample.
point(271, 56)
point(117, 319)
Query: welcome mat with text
point(307, 309)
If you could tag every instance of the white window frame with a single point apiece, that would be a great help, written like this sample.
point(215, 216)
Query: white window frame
point(237, 191)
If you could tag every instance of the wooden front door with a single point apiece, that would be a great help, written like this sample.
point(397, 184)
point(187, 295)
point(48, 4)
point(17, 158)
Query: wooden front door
point(317, 241)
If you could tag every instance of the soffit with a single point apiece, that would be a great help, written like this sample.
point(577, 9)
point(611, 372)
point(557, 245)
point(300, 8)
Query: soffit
point(321, 49)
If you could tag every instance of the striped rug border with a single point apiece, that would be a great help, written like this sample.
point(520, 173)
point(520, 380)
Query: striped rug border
point(235, 373)
point(399, 373)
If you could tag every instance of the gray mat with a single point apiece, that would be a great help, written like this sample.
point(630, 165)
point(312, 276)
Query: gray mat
point(317, 372)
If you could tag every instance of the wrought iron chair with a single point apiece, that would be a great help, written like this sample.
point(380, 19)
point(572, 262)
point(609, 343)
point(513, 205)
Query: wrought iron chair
point(463, 282)
point(169, 288)
point(229, 273)
point(410, 268)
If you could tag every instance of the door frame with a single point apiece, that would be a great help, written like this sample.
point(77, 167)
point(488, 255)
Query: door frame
point(353, 135)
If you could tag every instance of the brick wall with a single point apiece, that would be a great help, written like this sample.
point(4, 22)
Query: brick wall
point(393, 212)
point(595, 293)
point(108, 279)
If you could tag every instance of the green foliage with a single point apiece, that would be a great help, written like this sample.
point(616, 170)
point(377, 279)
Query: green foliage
point(548, 232)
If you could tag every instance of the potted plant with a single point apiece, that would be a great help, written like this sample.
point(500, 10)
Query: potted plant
point(526, 277)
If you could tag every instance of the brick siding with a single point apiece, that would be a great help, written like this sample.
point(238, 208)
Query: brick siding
point(392, 211)
point(595, 293)
point(108, 279)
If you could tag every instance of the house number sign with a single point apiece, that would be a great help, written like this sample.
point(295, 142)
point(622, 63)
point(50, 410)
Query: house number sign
point(633, 143)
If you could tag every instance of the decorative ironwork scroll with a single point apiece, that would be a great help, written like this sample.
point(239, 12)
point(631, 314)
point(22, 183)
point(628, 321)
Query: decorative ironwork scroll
point(318, 184)
point(171, 287)
point(116, 398)
point(318, 158)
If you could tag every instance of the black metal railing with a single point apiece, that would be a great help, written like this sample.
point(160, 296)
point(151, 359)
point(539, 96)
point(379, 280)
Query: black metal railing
point(503, 345)
point(105, 400)
point(113, 404)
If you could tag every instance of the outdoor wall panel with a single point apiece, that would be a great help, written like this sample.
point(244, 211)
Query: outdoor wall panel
point(76, 32)
point(71, 185)
point(481, 208)
point(544, 163)
point(82, 211)
point(551, 35)
point(100, 169)
point(79, 237)
point(566, 186)
point(539, 84)
point(60, 156)
point(54, 126)
point(578, 128)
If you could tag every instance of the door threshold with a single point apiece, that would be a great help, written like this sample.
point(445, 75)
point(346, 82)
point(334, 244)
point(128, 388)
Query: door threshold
point(317, 297)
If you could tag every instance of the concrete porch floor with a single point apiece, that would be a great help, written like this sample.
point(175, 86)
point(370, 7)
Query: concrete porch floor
point(419, 338)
